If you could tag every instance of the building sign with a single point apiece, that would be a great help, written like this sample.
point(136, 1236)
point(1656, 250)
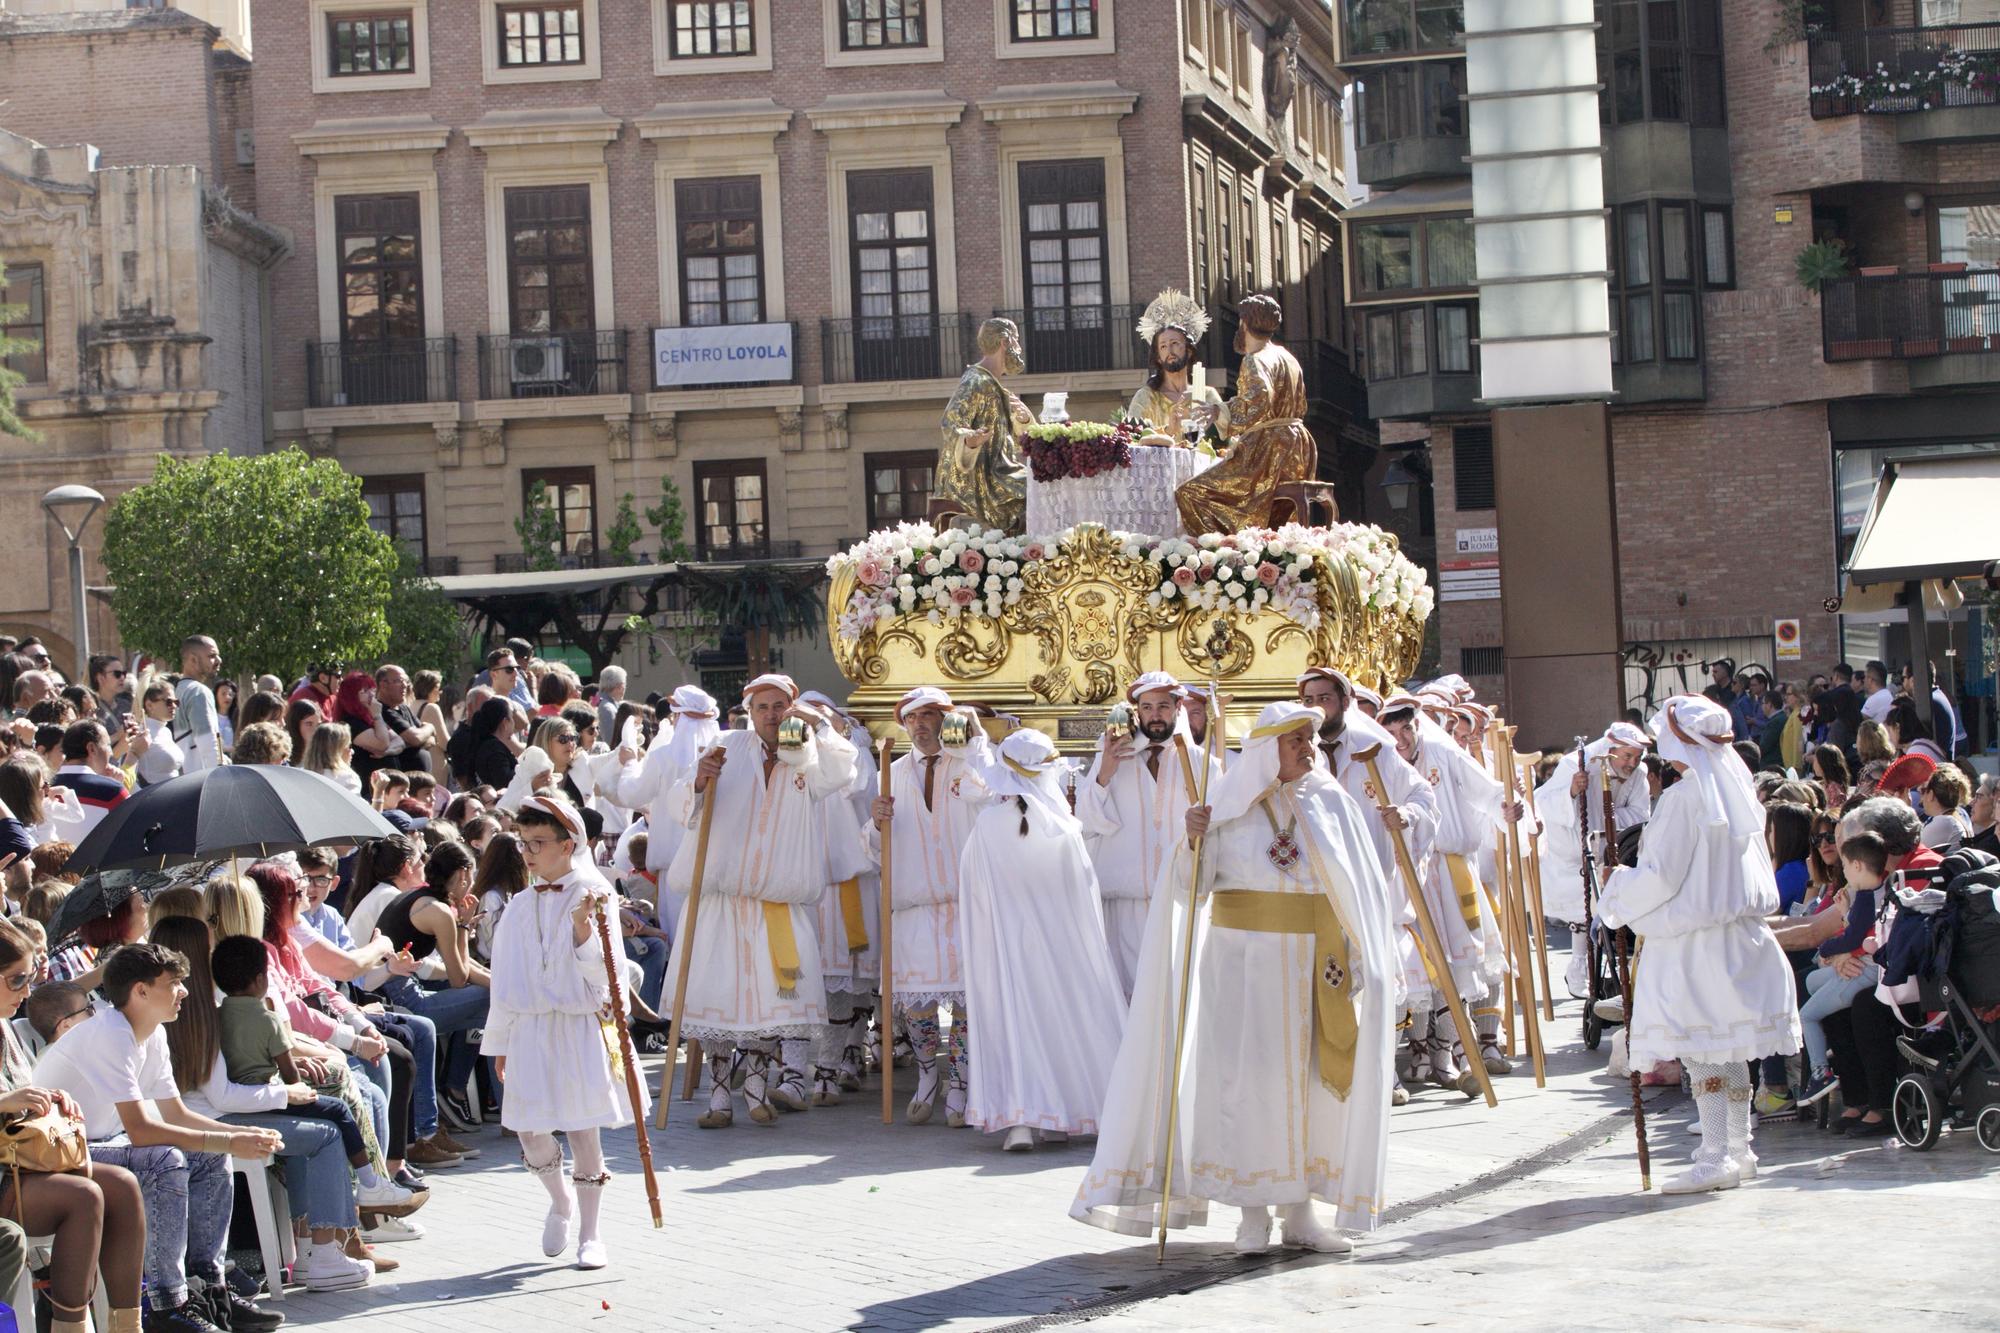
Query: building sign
point(722, 354)
point(1474, 580)
point(1786, 635)
point(1479, 541)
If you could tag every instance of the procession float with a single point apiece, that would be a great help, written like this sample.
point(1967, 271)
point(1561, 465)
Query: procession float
point(1086, 573)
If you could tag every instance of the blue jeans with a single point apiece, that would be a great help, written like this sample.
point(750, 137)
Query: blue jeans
point(451, 1012)
point(316, 1173)
point(188, 1198)
point(420, 1036)
point(372, 1078)
point(651, 956)
point(1831, 993)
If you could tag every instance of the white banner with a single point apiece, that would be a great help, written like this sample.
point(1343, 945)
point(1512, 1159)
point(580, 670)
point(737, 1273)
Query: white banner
point(722, 354)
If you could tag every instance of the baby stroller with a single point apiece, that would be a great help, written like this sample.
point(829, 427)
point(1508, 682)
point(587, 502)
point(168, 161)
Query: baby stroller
point(1947, 935)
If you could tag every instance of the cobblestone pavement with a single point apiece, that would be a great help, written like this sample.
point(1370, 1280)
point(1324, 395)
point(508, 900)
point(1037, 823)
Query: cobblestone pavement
point(831, 1220)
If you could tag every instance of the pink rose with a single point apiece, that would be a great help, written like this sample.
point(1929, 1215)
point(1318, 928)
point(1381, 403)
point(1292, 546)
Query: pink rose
point(1034, 551)
point(1267, 573)
point(963, 597)
point(1184, 577)
point(971, 561)
point(871, 572)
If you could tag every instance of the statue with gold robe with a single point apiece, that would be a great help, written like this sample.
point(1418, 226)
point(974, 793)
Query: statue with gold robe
point(979, 469)
point(1174, 400)
point(1264, 426)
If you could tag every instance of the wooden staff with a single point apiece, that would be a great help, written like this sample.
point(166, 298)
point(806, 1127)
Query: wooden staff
point(1173, 1090)
point(686, 941)
point(1524, 976)
point(885, 1023)
point(1638, 1104)
point(1525, 765)
point(1429, 943)
point(1504, 903)
point(631, 1062)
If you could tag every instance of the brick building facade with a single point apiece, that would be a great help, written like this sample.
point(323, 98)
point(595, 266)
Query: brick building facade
point(490, 235)
point(1752, 413)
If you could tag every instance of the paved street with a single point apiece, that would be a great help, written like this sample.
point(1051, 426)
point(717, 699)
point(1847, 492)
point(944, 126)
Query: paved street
point(833, 1221)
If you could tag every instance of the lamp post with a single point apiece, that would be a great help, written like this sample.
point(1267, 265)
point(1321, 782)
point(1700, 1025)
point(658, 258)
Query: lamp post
point(82, 502)
point(1399, 483)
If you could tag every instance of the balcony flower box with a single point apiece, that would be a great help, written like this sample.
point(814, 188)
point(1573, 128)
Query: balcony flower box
point(1920, 347)
point(1878, 270)
point(1948, 268)
point(1858, 349)
point(1966, 344)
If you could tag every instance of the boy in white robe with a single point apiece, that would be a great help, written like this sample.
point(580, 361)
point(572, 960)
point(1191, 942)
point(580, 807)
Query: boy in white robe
point(1285, 1073)
point(1131, 804)
point(1622, 747)
point(546, 1027)
point(1712, 988)
point(849, 912)
point(1037, 967)
point(935, 795)
point(754, 987)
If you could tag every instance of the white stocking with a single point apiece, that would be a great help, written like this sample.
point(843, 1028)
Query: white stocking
point(587, 1170)
point(543, 1157)
point(1714, 1085)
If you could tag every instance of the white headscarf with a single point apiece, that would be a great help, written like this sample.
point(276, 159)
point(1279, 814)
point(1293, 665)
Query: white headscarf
point(580, 858)
point(1028, 767)
point(1620, 734)
point(924, 696)
point(773, 680)
point(1254, 771)
point(695, 729)
point(534, 762)
point(1154, 680)
point(1698, 732)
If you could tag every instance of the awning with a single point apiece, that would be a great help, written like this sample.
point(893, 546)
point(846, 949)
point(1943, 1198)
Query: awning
point(464, 587)
point(1423, 197)
point(1931, 518)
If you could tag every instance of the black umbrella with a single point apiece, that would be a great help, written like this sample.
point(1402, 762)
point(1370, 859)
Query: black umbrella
point(236, 810)
point(101, 894)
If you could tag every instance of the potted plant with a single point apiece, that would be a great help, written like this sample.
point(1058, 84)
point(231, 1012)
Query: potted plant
point(1820, 263)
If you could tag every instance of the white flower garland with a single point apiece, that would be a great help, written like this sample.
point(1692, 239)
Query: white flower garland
point(914, 568)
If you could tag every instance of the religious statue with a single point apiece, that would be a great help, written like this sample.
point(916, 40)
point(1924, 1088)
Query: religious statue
point(1174, 400)
point(1264, 425)
point(979, 469)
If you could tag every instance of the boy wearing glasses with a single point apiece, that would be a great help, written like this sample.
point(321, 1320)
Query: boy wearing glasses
point(547, 1029)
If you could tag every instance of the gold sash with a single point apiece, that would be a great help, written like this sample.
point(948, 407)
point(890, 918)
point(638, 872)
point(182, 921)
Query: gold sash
point(851, 920)
point(784, 946)
point(1463, 884)
point(1336, 1029)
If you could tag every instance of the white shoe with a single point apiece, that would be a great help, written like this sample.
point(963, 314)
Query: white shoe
point(1303, 1231)
point(385, 1196)
point(1745, 1163)
point(1703, 1177)
point(954, 1106)
point(826, 1090)
point(1399, 1095)
point(721, 1108)
point(1253, 1233)
point(789, 1093)
point(555, 1233)
point(325, 1268)
point(388, 1230)
point(1495, 1062)
point(1611, 1009)
point(759, 1098)
point(1055, 1136)
point(1019, 1139)
point(590, 1254)
point(1577, 978)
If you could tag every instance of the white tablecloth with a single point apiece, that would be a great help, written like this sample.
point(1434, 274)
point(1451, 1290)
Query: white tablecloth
point(1135, 499)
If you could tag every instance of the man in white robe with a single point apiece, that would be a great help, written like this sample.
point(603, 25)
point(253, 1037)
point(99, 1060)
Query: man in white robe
point(1712, 989)
point(692, 727)
point(1037, 966)
point(849, 916)
point(1622, 748)
point(1470, 803)
point(754, 987)
point(935, 795)
point(1285, 1074)
point(1131, 804)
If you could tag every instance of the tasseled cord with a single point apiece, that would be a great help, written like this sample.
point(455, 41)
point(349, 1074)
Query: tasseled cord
point(1022, 802)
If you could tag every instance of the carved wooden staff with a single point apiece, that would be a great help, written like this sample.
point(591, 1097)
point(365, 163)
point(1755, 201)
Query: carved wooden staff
point(1173, 1089)
point(1429, 942)
point(686, 942)
point(885, 1021)
point(1524, 979)
point(1625, 989)
point(1525, 765)
point(629, 1057)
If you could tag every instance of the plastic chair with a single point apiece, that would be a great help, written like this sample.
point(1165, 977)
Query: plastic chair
point(272, 1209)
point(39, 1250)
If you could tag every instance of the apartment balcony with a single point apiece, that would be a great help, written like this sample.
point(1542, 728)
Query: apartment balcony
point(579, 364)
point(1945, 324)
point(1420, 359)
point(1410, 123)
point(1941, 83)
point(877, 348)
point(377, 374)
point(1076, 339)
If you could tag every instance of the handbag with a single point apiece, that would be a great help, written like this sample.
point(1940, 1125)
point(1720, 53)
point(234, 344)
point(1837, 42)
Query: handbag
point(49, 1144)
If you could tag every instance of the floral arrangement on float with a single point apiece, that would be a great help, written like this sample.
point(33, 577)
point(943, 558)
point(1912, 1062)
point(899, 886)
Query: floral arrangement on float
point(914, 569)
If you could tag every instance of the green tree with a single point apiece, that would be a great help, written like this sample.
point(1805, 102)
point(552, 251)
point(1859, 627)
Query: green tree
point(624, 532)
point(766, 601)
point(540, 529)
point(271, 555)
point(669, 518)
point(426, 628)
point(10, 380)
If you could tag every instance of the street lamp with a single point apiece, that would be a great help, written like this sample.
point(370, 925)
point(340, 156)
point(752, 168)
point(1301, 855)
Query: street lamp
point(1399, 483)
point(82, 502)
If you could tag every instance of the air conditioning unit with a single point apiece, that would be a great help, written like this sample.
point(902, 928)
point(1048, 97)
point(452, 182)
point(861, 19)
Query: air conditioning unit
point(537, 360)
